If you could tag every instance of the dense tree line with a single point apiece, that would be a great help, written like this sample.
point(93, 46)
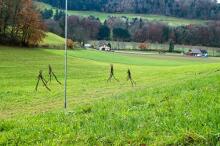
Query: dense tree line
point(80, 29)
point(47, 13)
point(204, 9)
point(20, 23)
point(138, 30)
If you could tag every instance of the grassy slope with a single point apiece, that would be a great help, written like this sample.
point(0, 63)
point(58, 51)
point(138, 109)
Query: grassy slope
point(158, 18)
point(42, 6)
point(52, 39)
point(103, 16)
point(176, 99)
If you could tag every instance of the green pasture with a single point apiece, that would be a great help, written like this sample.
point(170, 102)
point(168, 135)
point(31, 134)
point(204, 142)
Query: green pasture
point(176, 100)
point(173, 21)
point(52, 39)
point(42, 6)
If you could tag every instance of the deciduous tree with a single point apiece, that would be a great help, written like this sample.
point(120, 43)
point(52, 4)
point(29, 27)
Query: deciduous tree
point(20, 23)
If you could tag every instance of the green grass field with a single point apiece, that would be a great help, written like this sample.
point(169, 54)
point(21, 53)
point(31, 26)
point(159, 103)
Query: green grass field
point(52, 39)
point(173, 21)
point(42, 6)
point(176, 100)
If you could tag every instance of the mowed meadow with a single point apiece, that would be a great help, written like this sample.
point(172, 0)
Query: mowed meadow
point(176, 100)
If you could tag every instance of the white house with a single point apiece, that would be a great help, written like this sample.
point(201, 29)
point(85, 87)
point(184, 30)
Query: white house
point(104, 48)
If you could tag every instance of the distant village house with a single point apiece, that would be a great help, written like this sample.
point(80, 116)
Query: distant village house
point(104, 46)
point(197, 53)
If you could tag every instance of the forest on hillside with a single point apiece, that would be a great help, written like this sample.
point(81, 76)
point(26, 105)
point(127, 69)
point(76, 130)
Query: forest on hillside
point(83, 29)
point(203, 9)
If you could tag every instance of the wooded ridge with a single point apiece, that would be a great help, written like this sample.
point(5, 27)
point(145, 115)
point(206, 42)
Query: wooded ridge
point(203, 9)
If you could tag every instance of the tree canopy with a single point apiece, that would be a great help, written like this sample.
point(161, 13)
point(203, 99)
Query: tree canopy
point(20, 23)
point(137, 30)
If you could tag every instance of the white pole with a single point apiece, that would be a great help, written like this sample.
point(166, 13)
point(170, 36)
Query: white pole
point(65, 71)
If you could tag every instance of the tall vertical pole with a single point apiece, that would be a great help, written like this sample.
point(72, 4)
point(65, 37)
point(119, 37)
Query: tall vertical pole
point(65, 71)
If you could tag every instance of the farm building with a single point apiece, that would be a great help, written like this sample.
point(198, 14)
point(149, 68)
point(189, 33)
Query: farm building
point(197, 53)
point(103, 46)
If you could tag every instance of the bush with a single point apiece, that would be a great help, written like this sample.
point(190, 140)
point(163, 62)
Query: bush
point(70, 44)
point(144, 46)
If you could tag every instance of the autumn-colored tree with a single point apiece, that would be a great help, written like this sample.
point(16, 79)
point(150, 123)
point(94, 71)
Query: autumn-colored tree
point(144, 46)
point(83, 29)
point(156, 32)
point(70, 44)
point(31, 25)
point(20, 23)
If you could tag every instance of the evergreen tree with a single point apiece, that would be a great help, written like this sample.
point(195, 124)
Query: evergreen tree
point(171, 46)
point(47, 13)
point(59, 14)
point(104, 33)
point(121, 34)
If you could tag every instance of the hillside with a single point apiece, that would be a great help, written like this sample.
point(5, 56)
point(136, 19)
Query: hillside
point(202, 9)
point(42, 5)
point(52, 39)
point(138, 27)
point(156, 81)
point(175, 100)
point(173, 21)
